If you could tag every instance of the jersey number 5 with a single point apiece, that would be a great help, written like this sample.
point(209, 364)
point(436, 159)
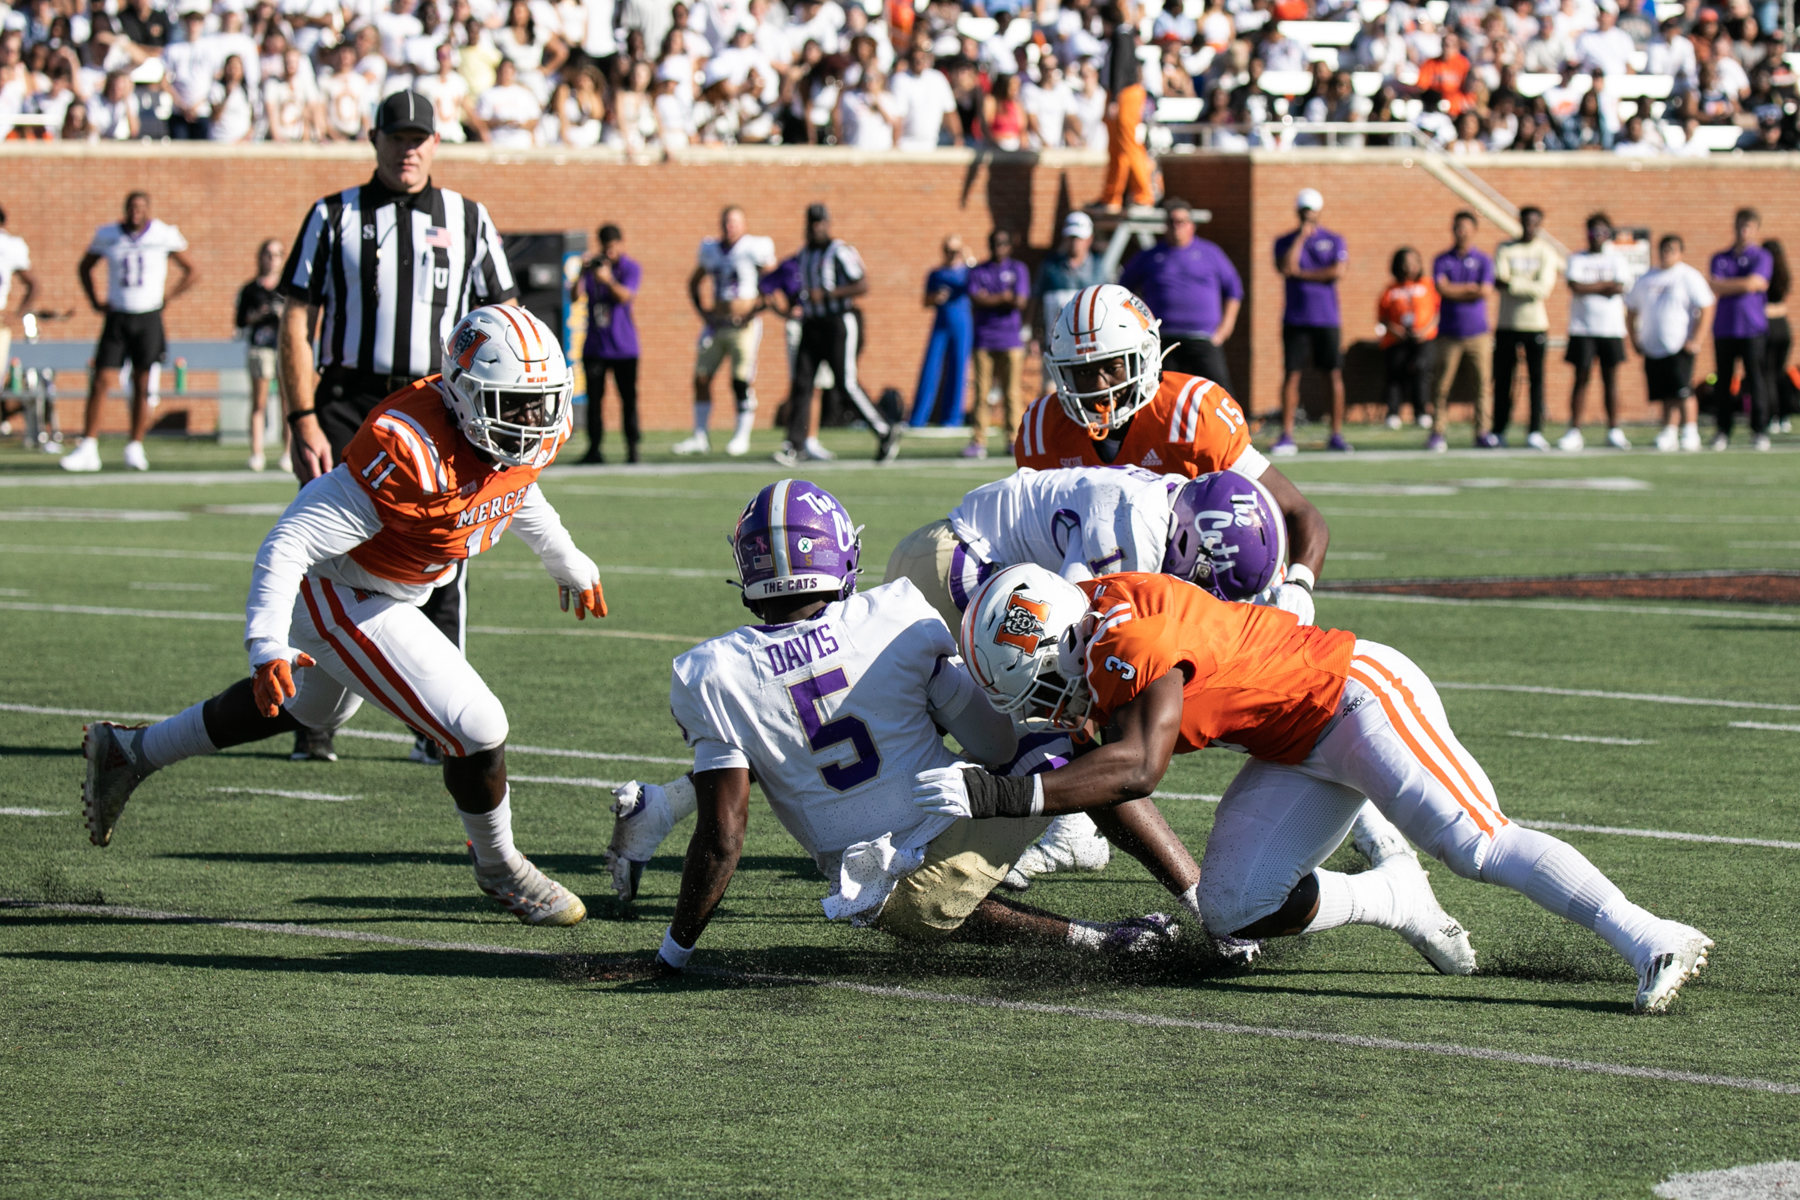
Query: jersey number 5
point(823, 735)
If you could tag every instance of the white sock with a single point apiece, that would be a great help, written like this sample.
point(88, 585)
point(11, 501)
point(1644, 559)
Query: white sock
point(683, 802)
point(1369, 898)
point(1559, 878)
point(746, 421)
point(814, 446)
point(1190, 903)
point(1087, 935)
point(1690, 427)
point(490, 833)
point(181, 736)
point(702, 415)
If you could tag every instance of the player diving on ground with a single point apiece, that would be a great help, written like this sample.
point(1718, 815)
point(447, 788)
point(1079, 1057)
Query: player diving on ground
point(1326, 719)
point(437, 473)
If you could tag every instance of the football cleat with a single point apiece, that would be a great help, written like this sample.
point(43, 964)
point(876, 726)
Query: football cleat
point(1284, 447)
point(1690, 439)
point(1437, 443)
point(786, 456)
point(1072, 843)
point(1668, 439)
point(1537, 441)
point(739, 445)
point(313, 745)
point(1150, 934)
point(135, 458)
point(1571, 441)
point(84, 457)
point(1661, 978)
point(115, 766)
point(642, 819)
point(1426, 927)
point(699, 443)
point(527, 893)
point(1615, 437)
point(889, 447)
point(1239, 952)
point(425, 752)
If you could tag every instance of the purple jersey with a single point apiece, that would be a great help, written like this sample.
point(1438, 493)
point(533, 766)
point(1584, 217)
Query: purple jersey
point(1185, 286)
point(998, 328)
point(1744, 315)
point(785, 278)
point(1463, 318)
point(1310, 302)
point(611, 333)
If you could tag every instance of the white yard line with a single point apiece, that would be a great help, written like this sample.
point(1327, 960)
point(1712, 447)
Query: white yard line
point(1580, 606)
point(1575, 737)
point(244, 791)
point(566, 779)
point(35, 515)
point(1766, 1180)
point(131, 552)
point(34, 812)
point(1112, 1015)
point(94, 610)
point(1447, 514)
point(1764, 725)
point(1659, 834)
point(1586, 693)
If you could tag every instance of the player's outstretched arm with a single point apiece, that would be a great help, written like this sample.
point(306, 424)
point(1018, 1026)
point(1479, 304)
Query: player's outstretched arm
point(723, 797)
point(957, 703)
point(330, 516)
point(540, 527)
point(1308, 538)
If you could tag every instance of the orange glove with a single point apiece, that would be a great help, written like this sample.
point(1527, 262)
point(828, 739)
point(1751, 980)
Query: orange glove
point(590, 600)
point(273, 683)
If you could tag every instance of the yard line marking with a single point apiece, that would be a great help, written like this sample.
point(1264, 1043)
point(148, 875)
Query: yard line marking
point(1646, 697)
point(1764, 725)
point(244, 510)
point(1447, 514)
point(513, 631)
point(672, 572)
point(1375, 489)
point(131, 552)
point(1754, 1179)
point(1591, 483)
point(139, 585)
point(570, 780)
point(14, 592)
point(244, 791)
point(1562, 606)
point(1119, 1016)
point(1660, 834)
point(1573, 737)
point(1210, 799)
point(94, 610)
point(373, 735)
point(92, 514)
point(34, 812)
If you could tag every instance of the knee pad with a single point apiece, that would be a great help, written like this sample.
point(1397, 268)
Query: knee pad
point(321, 702)
point(481, 723)
point(746, 397)
point(1230, 905)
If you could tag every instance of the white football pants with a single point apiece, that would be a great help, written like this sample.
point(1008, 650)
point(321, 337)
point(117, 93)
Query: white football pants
point(373, 647)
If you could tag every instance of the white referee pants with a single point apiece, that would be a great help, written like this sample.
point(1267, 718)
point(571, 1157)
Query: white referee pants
point(375, 648)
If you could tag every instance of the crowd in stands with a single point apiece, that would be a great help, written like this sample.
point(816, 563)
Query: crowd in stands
point(1633, 77)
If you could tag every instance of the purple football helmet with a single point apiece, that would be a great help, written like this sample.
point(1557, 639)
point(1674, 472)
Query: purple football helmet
point(1226, 535)
point(794, 538)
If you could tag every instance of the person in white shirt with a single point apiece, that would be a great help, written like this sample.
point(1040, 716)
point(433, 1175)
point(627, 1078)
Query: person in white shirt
point(1670, 306)
point(507, 114)
point(1606, 47)
point(137, 252)
point(927, 102)
point(868, 117)
point(735, 261)
point(231, 39)
point(291, 102)
point(1597, 280)
point(348, 98)
point(188, 73)
point(15, 259)
point(449, 95)
point(1634, 140)
point(1090, 107)
point(1048, 103)
point(396, 26)
point(236, 108)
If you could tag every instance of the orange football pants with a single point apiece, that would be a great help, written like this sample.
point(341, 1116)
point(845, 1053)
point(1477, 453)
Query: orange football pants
point(1127, 161)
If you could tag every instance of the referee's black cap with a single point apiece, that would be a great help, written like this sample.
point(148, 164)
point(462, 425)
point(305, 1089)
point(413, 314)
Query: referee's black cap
point(817, 212)
point(403, 111)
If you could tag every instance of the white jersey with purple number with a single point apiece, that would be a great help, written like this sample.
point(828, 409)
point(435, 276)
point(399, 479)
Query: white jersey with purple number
point(833, 715)
point(137, 264)
point(1078, 521)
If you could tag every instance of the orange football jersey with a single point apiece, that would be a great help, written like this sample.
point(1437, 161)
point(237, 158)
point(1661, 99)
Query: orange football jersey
point(1262, 682)
point(439, 499)
point(1192, 427)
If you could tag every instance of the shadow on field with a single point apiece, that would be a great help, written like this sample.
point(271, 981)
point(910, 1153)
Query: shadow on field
point(41, 751)
point(466, 964)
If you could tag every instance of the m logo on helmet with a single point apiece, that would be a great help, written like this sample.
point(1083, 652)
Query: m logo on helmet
point(468, 340)
point(1023, 625)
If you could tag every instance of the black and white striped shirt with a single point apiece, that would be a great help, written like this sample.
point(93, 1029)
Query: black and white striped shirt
point(827, 267)
point(392, 275)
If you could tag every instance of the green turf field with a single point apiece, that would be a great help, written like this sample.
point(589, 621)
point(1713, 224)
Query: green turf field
point(144, 1057)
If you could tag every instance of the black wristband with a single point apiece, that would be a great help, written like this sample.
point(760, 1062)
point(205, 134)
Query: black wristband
point(999, 795)
point(295, 416)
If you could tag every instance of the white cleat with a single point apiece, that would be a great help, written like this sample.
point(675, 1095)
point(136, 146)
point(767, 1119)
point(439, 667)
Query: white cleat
point(1720, 442)
point(816, 451)
point(1615, 437)
point(1072, 843)
point(1668, 440)
point(1690, 440)
point(84, 457)
point(135, 458)
point(1537, 441)
point(115, 766)
point(1661, 978)
point(1239, 952)
point(642, 819)
point(698, 444)
point(527, 893)
point(1428, 929)
point(739, 445)
point(1150, 934)
point(1571, 441)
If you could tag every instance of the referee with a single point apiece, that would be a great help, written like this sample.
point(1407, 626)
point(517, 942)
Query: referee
point(382, 272)
point(831, 277)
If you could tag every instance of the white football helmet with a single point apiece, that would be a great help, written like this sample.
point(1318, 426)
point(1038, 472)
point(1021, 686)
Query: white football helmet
point(507, 382)
point(1101, 322)
point(1021, 638)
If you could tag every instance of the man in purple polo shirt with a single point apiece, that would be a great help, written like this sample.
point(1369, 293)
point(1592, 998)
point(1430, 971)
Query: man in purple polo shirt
point(1465, 280)
point(1195, 292)
point(1740, 278)
point(999, 289)
point(610, 284)
point(1311, 259)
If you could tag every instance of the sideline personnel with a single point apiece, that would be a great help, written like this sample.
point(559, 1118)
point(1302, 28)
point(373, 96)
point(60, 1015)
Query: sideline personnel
point(382, 272)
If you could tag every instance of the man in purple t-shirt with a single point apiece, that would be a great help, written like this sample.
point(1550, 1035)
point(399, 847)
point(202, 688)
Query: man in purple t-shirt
point(1311, 259)
point(1195, 292)
point(1465, 280)
point(999, 289)
point(1740, 278)
point(610, 284)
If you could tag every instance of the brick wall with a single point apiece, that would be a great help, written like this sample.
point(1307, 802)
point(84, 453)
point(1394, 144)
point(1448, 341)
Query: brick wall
point(895, 209)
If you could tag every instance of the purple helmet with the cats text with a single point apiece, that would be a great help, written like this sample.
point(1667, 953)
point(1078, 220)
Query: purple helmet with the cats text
point(793, 539)
point(1227, 535)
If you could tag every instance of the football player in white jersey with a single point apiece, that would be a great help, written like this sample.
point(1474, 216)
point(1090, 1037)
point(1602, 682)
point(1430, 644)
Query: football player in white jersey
point(832, 702)
point(735, 262)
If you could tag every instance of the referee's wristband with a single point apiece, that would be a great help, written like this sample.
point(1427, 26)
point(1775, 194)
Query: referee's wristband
point(298, 414)
point(673, 952)
point(1300, 575)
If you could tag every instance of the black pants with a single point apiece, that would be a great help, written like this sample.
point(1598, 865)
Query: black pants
point(1781, 385)
point(342, 403)
point(1196, 356)
point(1409, 377)
point(831, 339)
point(624, 373)
point(1752, 352)
point(1507, 345)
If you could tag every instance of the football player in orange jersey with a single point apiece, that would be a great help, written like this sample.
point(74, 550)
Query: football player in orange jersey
point(1114, 405)
point(1326, 718)
point(437, 473)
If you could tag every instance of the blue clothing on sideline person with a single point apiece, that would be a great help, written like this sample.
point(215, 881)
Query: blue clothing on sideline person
point(944, 373)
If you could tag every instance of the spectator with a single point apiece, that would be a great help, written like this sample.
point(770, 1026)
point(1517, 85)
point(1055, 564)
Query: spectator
point(1311, 260)
point(1002, 116)
point(1605, 48)
point(189, 73)
point(1780, 338)
point(1468, 143)
point(449, 94)
point(1048, 105)
point(945, 370)
point(347, 96)
point(235, 111)
point(1669, 309)
point(1465, 279)
point(15, 259)
point(928, 104)
point(577, 109)
point(1597, 278)
point(507, 114)
point(868, 117)
point(258, 322)
point(1447, 74)
point(1408, 316)
point(1066, 270)
point(1740, 277)
point(610, 283)
point(291, 102)
point(1525, 271)
point(1194, 291)
point(113, 114)
point(75, 125)
point(1633, 142)
point(1089, 109)
point(1127, 162)
point(999, 290)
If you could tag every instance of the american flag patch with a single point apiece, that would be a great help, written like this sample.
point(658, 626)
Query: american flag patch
point(438, 236)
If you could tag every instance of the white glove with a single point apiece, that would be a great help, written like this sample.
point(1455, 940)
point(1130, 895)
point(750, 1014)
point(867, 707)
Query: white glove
point(1291, 597)
point(573, 570)
point(943, 790)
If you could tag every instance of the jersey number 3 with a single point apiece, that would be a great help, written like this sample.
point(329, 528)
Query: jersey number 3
point(823, 735)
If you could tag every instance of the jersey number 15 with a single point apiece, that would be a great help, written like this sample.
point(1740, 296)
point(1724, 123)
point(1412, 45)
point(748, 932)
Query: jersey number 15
point(823, 735)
